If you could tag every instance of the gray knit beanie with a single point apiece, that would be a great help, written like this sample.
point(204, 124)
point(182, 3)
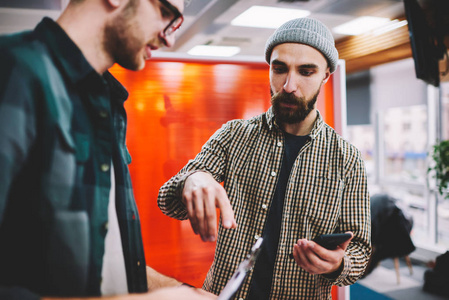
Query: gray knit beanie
point(305, 31)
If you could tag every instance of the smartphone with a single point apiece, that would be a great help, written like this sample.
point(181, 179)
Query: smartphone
point(330, 241)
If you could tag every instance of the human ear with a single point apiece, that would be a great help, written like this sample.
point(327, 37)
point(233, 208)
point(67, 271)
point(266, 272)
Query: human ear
point(327, 75)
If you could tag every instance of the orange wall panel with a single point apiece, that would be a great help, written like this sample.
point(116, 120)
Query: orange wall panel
point(173, 108)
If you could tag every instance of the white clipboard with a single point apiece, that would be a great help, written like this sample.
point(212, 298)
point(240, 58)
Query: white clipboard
point(239, 275)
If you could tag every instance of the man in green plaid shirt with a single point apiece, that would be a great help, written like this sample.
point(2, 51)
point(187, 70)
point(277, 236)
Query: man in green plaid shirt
point(287, 177)
point(69, 225)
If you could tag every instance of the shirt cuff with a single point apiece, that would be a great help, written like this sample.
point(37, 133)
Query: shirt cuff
point(339, 275)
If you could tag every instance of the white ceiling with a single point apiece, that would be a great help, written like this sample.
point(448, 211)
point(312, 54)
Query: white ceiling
point(208, 21)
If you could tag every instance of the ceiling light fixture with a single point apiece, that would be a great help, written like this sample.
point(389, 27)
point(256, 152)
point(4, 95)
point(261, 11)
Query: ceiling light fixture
point(267, 16)
point(208, 50)
point(361, 25)
point(390, 26)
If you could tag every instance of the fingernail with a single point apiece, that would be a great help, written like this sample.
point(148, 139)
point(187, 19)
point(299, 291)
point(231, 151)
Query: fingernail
point(227, 224)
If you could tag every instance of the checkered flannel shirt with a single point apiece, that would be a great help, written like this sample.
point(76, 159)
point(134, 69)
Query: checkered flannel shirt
point(327, 192)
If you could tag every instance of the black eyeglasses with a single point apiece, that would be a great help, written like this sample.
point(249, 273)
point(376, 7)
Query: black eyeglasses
point(173, 13)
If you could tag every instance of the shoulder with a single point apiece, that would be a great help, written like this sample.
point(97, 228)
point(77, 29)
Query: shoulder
point(241, 130)
point(14, 39)
point(253, 123)
point(338, 143)
point(22, 50)
point(25, 73)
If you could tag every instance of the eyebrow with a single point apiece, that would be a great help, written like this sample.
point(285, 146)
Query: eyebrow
point(304, 66)
point(278, 62)
point(309, 66)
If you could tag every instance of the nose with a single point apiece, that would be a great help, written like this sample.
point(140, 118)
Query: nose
point(290, 85)
point(168, 41)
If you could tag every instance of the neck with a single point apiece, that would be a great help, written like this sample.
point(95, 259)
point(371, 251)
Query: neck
point(84, 24)
point(302, 128)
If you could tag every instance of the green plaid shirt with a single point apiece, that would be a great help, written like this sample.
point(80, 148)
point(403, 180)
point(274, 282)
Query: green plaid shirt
point(61, 126)
point(327, 192)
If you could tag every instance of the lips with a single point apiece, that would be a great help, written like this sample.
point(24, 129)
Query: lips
point(148, 49)
point(147, 52)
point(288, 104)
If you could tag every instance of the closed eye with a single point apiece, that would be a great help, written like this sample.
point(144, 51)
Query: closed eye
point(279, 69)
point(306, 72)
point(307, 69)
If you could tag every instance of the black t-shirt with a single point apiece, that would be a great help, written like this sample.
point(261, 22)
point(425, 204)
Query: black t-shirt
point(263, 270)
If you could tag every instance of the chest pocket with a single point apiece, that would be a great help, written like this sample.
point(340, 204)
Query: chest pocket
point(321, 204)
point(60, 174)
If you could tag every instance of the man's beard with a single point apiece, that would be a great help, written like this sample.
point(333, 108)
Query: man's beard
point(120, 39)
point(299, 113)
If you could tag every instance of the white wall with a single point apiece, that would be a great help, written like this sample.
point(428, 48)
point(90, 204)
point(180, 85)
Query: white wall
point(395, 85)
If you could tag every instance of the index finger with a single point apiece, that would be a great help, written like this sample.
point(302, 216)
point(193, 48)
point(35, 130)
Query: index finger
point(227, 214)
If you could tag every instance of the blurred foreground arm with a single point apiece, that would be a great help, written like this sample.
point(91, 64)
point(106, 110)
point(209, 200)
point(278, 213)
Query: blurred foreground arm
point(172, 293)
point(157, 280)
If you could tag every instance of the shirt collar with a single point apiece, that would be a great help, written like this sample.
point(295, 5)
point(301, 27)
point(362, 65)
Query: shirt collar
point(72, 61)
point(319, 123)
point(118, 91)
point(64, 50)
point(270, 119)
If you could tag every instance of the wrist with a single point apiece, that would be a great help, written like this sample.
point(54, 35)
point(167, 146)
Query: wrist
point(337, 272)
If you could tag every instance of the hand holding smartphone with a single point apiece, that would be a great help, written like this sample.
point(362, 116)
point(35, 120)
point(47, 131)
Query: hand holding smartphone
point(330, 241)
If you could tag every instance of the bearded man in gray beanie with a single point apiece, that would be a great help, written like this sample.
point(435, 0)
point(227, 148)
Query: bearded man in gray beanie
point(288, 177)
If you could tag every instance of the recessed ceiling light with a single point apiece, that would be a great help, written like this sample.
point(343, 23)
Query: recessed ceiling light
point(361, 25)
point(267, 16)
point(207, 50)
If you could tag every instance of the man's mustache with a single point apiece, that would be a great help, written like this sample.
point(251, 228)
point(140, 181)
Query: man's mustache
point(287, 98)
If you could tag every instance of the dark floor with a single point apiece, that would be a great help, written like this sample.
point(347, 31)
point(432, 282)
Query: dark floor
point(383, 280)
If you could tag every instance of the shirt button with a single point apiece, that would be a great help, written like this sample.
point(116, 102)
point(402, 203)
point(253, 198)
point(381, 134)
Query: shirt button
point(138, 263)
point(105, 167)
point(103, 114)
point(106, 225)
point(264, 206)
point(273, 173)
point(279, 144)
